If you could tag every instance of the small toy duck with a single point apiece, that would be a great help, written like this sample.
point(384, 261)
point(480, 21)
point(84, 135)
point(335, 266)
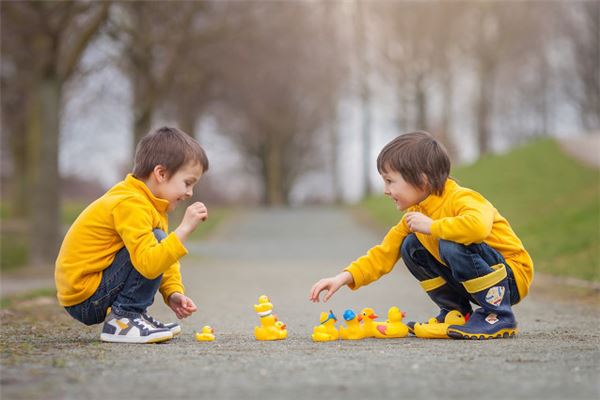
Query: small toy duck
point(353, 331)
point(369, 326)
point(326, 331)
point(207, 334)
point(438, 330)
point(270, 328)
point(394, 327)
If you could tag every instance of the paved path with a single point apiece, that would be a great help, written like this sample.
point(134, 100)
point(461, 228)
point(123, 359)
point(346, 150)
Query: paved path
point(585, 148)
point(281, 253)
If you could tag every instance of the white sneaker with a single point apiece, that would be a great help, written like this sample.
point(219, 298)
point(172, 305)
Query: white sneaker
point(120, 329)
point(174, 327)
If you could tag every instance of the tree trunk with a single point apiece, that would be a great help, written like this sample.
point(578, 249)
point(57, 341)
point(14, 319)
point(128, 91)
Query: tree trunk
point(142, 121)
point(186, 119)
point(484, 108)
point(365, 94)
point(421, 97)
point(45, 201)
point(274, 195)
point(446, 125)
point(333, 159)
point(21, 180)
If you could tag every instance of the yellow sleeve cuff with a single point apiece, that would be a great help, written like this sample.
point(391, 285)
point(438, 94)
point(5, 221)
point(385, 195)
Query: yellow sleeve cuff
point(357, 276)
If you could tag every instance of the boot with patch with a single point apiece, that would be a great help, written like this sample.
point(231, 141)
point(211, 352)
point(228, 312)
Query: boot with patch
point(495, 318)
point(446, 298)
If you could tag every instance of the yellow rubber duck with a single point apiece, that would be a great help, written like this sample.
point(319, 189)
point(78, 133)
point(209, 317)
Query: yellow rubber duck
point(434, 329)
point(353, 330)
point(326, 331)
point(369, 325)
point(207, 334)
point(393, 327)
point(264, 306)
point(270, 327)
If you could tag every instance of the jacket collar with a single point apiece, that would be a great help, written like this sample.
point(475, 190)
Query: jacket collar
point(433, 201)
point(160, 204)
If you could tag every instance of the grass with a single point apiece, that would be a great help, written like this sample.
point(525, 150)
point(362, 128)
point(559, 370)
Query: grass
point(551, 201)
point(9, 301)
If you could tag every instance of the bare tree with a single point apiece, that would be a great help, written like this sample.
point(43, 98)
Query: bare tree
point(154, 39)
point(420, 48)
point(57, 33)
point(582, 30)
point(275, 94)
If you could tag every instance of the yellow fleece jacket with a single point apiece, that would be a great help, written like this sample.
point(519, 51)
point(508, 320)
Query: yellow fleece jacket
point(460, 215)
point(123, 217)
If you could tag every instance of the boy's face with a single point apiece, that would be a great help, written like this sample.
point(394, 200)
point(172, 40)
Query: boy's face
point(403, 194)
point(179, 186)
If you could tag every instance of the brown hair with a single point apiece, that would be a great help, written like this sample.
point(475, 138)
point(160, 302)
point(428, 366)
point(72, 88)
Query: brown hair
point(416, 154)
point(169, 147)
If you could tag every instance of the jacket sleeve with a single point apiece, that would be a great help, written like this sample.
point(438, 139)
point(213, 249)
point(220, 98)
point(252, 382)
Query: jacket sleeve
point(380, 259)
point(171, 282)
point(133, 222)
point(472, 223)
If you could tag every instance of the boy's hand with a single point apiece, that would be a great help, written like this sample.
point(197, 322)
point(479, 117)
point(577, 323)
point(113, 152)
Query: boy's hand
point(194, 214)
point(181, 305)
point(418, 222)
point(331, 285)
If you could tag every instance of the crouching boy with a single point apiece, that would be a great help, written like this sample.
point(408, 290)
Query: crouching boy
point(118, 253)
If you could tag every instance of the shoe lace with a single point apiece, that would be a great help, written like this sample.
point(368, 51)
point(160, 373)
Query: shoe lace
point(153, 321)
point(145, 325)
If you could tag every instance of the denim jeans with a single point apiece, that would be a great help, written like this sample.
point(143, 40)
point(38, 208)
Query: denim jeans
point(122, 288)
point(462, 264)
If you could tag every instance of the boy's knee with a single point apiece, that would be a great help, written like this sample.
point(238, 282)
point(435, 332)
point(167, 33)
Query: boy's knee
point(159, 234)
point(448, 248)
point(408, 245)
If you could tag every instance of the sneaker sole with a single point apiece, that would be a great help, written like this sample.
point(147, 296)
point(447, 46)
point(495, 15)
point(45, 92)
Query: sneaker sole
point(106, 337)
point(176, 331)
point(501, 334)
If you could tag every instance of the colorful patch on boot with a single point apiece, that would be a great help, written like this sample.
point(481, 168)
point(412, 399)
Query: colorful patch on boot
point(494, 295)
point(492, 319)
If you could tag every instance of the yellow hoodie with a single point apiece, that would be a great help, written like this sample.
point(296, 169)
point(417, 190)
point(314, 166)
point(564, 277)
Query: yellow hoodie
point(123, 217)
point(460, 215)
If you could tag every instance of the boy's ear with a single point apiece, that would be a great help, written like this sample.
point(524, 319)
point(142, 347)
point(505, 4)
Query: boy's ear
point(160, 173)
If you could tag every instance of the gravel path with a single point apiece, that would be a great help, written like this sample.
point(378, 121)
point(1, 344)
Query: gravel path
point(280, 253)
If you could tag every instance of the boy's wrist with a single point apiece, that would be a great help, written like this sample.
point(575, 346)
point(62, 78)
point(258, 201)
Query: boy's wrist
point(182, 233)
point(346, 278)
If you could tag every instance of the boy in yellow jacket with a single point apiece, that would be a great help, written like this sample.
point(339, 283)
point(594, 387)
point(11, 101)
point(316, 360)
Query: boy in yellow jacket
point(118, 252)
point(451, 239)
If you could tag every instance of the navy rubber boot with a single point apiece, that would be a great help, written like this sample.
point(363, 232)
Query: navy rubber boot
point(495, 318)
point(446, 298)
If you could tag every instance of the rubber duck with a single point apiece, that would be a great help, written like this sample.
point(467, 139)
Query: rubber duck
point(393, 327)
point(437, 330)
point(353, 330)
point(264, 306)
point(369, 326)
point(270, 327)
point(206, 335)
point(326, 331)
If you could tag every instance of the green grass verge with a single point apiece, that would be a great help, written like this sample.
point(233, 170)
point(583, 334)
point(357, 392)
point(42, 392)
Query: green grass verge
point(32, 295)
point(551, 201)
point(216, 216)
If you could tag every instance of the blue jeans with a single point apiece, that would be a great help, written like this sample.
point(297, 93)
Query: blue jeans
point(122, 288)
point(462, 264)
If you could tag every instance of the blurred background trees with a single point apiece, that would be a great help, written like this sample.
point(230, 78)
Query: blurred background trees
point(292, 100)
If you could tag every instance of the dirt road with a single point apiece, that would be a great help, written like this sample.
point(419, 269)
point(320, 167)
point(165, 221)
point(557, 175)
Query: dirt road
point(47, 355)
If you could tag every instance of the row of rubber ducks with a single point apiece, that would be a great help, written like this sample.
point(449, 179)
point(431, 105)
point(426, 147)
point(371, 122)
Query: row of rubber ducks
point(364, 325)
point(358, 326)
